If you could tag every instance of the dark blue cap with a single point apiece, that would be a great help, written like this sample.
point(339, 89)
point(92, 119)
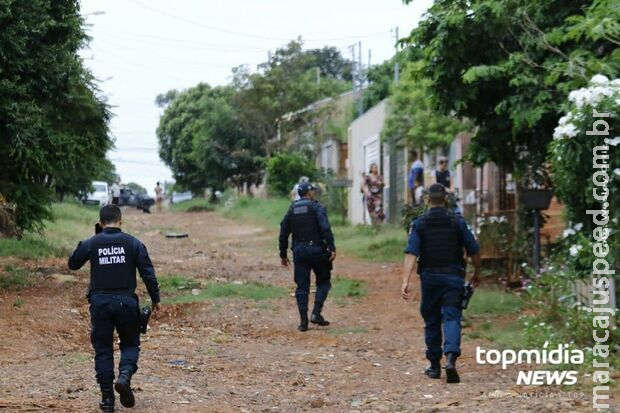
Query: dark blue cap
point(437, 191)
point(304, 188)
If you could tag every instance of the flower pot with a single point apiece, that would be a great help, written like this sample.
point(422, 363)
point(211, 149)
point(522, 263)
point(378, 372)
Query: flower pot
point(536, 198)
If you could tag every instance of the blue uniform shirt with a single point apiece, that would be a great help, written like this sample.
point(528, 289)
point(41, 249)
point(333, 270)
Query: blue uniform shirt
point(323, 227)
point(469, 241)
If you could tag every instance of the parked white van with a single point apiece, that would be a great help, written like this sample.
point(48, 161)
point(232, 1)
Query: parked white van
point(100, 195)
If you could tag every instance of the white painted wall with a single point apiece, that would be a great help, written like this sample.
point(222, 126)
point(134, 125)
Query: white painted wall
point(362, 134)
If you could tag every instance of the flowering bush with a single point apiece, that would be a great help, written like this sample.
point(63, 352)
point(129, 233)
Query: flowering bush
point(495, 234)
point(571, 151)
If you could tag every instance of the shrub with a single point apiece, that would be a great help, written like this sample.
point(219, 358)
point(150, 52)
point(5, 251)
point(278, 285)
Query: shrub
point(284, 171)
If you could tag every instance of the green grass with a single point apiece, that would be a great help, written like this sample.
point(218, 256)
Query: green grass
point(505, 335)
point(488, 301)
point(382, 244)
point(212, 290)
point(174, 283)
point(490, 315)
point(13, 278)
point(385, 243)
point(345, 287)
point(264, 212)
point(72, 223)
point(193, 205)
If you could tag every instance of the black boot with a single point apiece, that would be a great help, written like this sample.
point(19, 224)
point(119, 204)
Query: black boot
point(303, 325)
point(434, 371)
point(123, 388)
point(452, 376)
point(107, 400)
point(318, 319)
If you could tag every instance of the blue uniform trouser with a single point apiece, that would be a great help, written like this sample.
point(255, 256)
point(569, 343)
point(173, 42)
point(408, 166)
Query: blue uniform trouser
point(109, 312)
point(442, 296)
point(308, 258)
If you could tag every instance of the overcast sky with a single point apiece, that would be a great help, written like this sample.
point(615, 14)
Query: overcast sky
point(141, 48)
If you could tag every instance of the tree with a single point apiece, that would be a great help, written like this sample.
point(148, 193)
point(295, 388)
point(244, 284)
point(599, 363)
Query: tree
point(137, 188)
point(286, 82)
point(53, 123)
point(381, 77)
point(411, 117)
point(509, 65)
point(202, 140)
point(284, 170)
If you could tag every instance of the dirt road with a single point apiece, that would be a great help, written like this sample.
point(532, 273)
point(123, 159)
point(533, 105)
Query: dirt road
point(242, 356)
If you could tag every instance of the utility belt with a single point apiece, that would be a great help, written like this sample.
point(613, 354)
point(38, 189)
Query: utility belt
point(444, 270)
point(112, 291)
point(311, 242)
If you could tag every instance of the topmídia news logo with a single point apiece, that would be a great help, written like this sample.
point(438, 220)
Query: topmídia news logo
point(560, 355)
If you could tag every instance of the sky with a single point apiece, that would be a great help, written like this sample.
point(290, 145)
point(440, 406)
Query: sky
point(141, 48)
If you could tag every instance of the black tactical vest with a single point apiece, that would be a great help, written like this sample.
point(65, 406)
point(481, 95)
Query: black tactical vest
point(112, 262)
point(443, 177)
point(441, 241)
point(304, 223)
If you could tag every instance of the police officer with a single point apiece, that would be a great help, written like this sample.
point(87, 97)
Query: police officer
point(313, 249)
point(435, 248)
point(114, 257)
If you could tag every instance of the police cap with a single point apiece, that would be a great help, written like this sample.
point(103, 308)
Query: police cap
point(304, 188)
point(437, 191)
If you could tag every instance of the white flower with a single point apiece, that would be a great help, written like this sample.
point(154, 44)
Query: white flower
point(565, 119)
point(574, 250)
point(615, 141)
point(568, 232)
point(617, 171)
point(578, 226)
point(503, 219)
point(599, 79)
point(494, 219)
point(615, 83)
point(567, 130)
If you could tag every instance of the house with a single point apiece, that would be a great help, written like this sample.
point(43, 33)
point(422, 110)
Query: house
point(364, 148)
point(320, 131)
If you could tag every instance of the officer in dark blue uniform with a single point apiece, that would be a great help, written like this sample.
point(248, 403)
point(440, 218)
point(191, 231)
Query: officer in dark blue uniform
point(313, 249)
point(437, 241)
point(114, 257)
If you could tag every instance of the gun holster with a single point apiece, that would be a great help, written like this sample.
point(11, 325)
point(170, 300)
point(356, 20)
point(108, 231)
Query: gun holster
point(468, 292)
point(145, 314)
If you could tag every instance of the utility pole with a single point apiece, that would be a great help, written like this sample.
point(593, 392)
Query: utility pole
point(353, 64)
point(369, 56)
point(318, 77)
point(360, 74)
point(396, 68)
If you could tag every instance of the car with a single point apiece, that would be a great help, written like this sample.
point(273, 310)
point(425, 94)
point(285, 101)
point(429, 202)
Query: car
point(99, 195)
point(131, 198)
point(181, 196)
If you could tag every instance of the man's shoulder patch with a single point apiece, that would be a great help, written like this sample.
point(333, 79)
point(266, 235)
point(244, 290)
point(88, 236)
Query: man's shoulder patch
point(302, 209)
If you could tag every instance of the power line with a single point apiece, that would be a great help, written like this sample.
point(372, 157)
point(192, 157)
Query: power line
point(254, 36)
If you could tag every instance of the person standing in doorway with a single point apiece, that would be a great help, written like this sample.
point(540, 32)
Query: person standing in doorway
point(442, 174)
point(416, 178)
point(159, 197)
point(373, 194)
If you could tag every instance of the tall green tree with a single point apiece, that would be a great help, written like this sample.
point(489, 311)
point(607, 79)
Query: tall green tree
point(508, 65)
point(287, 82)
point(53, 123)
point(203, 142)
point(413, 118)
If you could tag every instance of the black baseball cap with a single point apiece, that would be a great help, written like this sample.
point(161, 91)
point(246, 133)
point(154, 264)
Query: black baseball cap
point(304, 188)
point(437, 191)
